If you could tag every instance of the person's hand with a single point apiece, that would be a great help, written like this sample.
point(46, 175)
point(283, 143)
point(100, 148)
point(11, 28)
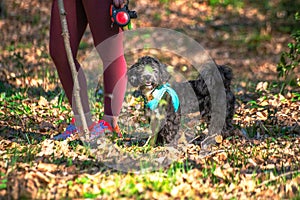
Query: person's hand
point(119, 3)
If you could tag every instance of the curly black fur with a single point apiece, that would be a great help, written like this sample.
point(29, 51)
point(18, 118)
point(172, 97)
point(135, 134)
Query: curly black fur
point(194, 95)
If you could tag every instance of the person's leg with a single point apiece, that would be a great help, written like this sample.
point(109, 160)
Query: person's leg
point(77, 23)
point(112, 55)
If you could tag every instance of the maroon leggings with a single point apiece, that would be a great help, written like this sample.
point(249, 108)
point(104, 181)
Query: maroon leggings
point(96, 14)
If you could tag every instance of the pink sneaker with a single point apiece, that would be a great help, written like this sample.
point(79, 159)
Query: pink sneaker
point(118, 131)
point(96, 130)
point(70, 130)
point(99, 128)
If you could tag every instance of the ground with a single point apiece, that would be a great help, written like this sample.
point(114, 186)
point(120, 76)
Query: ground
point(261, 159)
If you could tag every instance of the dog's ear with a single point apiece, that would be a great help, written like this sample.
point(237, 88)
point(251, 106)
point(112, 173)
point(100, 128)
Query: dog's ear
point(164, 75)
point(132, 75)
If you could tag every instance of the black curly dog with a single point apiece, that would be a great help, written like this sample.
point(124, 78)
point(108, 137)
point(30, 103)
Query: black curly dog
point(194, 95)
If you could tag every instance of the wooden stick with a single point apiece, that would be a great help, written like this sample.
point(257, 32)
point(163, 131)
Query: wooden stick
point(278, 177)
point(76, 92)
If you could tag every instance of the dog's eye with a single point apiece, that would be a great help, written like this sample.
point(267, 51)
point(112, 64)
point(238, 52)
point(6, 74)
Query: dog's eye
point(132, 79)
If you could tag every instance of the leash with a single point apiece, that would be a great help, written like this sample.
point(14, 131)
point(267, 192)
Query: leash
point(159, 92)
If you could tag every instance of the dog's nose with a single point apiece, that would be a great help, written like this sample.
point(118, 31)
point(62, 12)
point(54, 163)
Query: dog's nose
point(147, 77)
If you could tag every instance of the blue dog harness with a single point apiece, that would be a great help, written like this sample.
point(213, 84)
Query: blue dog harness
point(159, 92)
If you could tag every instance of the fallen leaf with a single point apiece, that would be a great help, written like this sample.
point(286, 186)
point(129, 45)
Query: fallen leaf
point(43, 101)
point(47, 167)
point(219, 139)
point(219, 173)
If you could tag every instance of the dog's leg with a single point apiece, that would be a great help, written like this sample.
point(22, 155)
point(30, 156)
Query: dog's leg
point(154, 129)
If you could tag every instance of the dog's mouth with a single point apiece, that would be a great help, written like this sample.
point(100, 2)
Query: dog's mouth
point(149, 85)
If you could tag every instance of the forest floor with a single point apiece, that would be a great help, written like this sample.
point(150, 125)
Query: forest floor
point(261, 159)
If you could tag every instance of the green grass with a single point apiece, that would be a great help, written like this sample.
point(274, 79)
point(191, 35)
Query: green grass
point(234, 3)
point(3, 181)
